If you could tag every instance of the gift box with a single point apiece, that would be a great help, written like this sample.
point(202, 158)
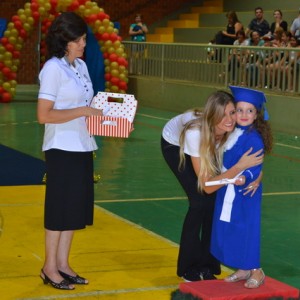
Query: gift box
point(119, 112)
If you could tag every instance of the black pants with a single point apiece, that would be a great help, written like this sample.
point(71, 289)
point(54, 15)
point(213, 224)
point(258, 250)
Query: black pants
point(194, 251)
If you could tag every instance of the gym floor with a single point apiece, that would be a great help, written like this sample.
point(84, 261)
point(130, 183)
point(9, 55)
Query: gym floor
point(131, 250)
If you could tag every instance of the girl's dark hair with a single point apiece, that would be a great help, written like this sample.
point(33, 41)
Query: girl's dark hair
point(67, 27)
point(240, 32)
point(264, 128)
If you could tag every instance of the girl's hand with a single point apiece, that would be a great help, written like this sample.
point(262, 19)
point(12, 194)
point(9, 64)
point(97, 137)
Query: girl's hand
point(252, 186)
point(250, 160)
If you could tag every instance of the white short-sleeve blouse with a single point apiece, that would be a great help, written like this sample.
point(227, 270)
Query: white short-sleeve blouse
point(68, 87)
point(172, 131)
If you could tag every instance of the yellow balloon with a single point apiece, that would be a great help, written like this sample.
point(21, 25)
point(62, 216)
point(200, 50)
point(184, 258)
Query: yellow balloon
point(114, 65)
point(89, 4)
point(13, 83)
point(106, 62)
point(42, 10)
point(14, 32)
point(2, 49)
point(122, 76)
point(95, 10)
point(117, 44)
point(27, 27)
point(114, 88)
point(97, 24)
point(19, 47)
point(30, 20)
point(47, 6)
point(81, 9)
point(87, 12)
point(111, 50)
point(10, 25)
point(20, 12)
point(110, 29)
point(122, 69)
point(101, 29)
point(6, 86)
point(27, 5)
point(120, 51)
point(14, 68)
point(8, 63)
point(115, 73)
point(108, 43)
point(106, 22)
point(12, 40)
point(107, 69)
point(7, 55)
point(27, 12)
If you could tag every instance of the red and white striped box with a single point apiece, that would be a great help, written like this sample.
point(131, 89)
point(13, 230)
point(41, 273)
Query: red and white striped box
point(118, 121)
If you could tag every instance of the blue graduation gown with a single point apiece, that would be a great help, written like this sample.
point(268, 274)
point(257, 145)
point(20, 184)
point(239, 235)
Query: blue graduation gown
point(236, 226)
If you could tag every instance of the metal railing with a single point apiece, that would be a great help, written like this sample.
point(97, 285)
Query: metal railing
point(275, 69)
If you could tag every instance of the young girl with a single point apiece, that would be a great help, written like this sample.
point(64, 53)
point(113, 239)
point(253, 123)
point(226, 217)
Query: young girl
point(236, 224)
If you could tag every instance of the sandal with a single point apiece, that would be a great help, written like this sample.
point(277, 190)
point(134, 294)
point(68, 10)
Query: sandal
point(63, 285)
point(235, 277)
point(73, 279)
point(253, 283)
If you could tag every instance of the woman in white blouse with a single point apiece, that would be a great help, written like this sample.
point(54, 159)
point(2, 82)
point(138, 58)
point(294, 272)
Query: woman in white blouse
point(63, 105)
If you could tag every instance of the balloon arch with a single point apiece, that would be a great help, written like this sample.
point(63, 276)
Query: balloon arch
point(45, 11)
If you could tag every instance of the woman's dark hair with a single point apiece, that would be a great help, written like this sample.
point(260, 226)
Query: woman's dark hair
point(67, 27)
point(278, 10)
point(232, 14)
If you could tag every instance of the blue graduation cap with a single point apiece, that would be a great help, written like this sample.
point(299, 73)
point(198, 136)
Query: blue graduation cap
point(257, 98)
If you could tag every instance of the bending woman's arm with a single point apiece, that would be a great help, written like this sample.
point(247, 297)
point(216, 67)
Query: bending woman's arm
point(246, 161)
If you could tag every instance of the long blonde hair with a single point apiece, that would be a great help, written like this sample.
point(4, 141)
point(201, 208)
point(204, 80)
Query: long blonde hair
point(210, 150)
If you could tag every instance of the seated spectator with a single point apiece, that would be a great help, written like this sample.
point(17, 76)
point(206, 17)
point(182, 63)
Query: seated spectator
point(270, 65)
point(254, 58)
point(277, 38)
point(237, 56)
point(278, 22)
point(228, 36)
point(290, 64)
point(258, 24)
point(295, 28)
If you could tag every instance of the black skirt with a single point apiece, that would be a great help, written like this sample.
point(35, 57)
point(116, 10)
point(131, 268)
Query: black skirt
point(69, 201)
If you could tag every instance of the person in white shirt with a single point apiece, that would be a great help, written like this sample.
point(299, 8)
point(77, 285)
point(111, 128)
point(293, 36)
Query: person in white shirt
point(191, 144)
point(295, 27)
point(63, 105)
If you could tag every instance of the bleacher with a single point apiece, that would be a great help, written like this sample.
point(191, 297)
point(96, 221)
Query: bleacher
point(180, 74)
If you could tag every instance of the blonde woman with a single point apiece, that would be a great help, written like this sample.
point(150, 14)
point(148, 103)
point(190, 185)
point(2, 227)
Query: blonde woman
point(191, 144)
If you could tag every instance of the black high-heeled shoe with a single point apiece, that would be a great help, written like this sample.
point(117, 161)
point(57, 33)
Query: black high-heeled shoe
point(73, 279)
point(63, 285)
